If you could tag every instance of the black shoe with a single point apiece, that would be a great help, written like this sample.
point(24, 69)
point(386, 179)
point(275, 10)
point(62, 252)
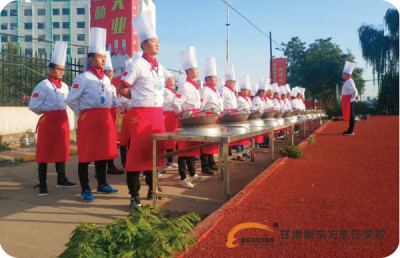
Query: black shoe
point(214, 166)
point(63, 182)
point(150, 194)
point(42, 189)
point(135, 203)
point(348, 134)
point(345, 132)
point(115, 171)
point(208, 171)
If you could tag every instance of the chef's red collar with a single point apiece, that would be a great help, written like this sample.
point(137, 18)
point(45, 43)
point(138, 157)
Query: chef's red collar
point(243, 96)
point(97, 71)
point(269, 97)
point(192, 82)
point(55, 82)
point(171, 89)
point(211, 87)
point(231, 89)
point(152, 61)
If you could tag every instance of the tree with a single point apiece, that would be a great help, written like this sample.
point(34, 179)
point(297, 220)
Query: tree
point(381, 51)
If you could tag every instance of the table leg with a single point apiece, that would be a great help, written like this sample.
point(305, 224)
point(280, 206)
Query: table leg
point(155, 174)
point(225, 173)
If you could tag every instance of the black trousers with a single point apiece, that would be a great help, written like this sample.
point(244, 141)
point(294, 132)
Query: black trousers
point(352, 117)
point(83, 171)
point(133, 181)
point(186, 164)
point(42, 171)
point(169, 159)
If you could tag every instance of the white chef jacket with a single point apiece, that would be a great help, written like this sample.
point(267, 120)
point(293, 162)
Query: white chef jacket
point(87, 91)
point(287, 106)
point(123, 104)
point(186, 98)
point(114, 96)
point(269, 104)
point(47, 97)
point(145, 83)
point(258, 104)
point(229, 98)
point(349, 88)
point(244, 103)
point(210, 98)
point(295, 104)
point(168, 99)
point(277, 104)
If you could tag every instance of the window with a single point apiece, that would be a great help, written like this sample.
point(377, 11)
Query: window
point(40, 25)
point(28, 38)
point(80, 25)
point(28, 12)
point(65, 37)
point(81, 51)
point(65, 25)
point(56, 37)
point(28, 25)
point(68, 51)
point(56, 11)
point(14, 38)
point(81, 37)
point(65, 11)
point(41, 37)
point(4, 13)
point(56, 25)
point(28, 51)
point(41, 12)
point(13, 26)
point(42, 50)
point(80, 11)
point(13, 12)
point(3, 38)
point(4, 26)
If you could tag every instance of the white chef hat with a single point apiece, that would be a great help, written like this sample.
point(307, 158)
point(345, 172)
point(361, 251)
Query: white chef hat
point(349, 67)
point(144, 27)
point(294, 91)
point(237, 88)
point(229, 73)
point(167, 73)
point(303, 92)
point(59, 55)
point(262, 83)
point(282, 90)
point(210, 67)
point(275, 87)
point(254, 89)
point(244, 82)
point(220, 85)
point(188, 58)
point(181, 80)
point(97, 40)
point(108, 65)
point(287, 87)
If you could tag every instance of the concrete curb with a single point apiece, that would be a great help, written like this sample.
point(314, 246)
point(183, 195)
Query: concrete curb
point(202, 230)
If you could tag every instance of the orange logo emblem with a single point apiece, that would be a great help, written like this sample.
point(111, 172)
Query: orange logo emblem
point(237, 228)
point(134, 119)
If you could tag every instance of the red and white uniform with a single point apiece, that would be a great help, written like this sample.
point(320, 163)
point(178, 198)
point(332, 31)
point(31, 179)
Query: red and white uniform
point(187, 98)
point(171, 123)
point(295, 104)
point(145, 79)
point(277, 104)
point(259, 103)
point(124, 105)
point(287, 106)
point(244, 103)
point(269, 103)
point(349, 93)
point(48, 98)
point(229, 99)
point(91, 98)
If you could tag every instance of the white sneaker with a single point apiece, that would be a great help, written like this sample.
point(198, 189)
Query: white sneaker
point(172, 165)
point(197, 178)
point(186, 183)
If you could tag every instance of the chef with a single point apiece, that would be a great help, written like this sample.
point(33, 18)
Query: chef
point(244, 105)
point(143, 82)
point(211, 103)
point(48, 100)
point(187, 103)
point(349, 97)
point(269, 103)
point(228, 91)
point(259, 104)
point(91, 99)
point(277, 97)
point(288, 105)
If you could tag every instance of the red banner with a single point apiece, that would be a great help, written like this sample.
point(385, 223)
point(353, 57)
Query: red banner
point(279, 71)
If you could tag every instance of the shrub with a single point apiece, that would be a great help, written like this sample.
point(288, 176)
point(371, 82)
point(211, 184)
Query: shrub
point(311, 140)
point(293, 152)
point(5, 146)
point(144, 233)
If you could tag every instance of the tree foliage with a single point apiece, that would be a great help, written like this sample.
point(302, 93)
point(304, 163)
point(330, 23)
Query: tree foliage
point(381, 51)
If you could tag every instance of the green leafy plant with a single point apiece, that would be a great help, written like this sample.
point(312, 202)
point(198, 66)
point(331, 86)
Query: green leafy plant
point(311, 140)
point(5, 146)
point(146, 232)
point(18, 161)
point(293, 152)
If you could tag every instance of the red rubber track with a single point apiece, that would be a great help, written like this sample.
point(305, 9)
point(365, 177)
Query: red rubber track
point(342, 183)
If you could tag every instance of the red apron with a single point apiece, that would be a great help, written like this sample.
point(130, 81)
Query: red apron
point(346, 107)
point(53, 137)
point(183, 144)
point(124, 135)
point(213, 149)
point(171, 125)
point(143, 122)
point(96, 136)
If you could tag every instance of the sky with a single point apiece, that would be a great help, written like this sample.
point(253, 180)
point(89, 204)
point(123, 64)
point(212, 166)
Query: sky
point(202, 24)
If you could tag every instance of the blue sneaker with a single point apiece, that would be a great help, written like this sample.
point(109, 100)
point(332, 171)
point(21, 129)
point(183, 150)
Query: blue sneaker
point(87, 196)
point(106, 189)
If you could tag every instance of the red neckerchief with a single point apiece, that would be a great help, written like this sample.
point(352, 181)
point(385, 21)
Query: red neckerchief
point(230, 89)
point(97, 71)
point(245, 97)
point(192, 82)
point(347, 79)
point(152, 61)
point(171, 89)
point(210, 86)
point(269, 97)
point(262, 98)
point(55, 82)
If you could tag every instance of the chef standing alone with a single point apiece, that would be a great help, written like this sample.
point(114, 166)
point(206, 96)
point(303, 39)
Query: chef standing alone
point(48, 100)
point(143, 83)
point(91, 98)
point(349, 97)
point(212, 103)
